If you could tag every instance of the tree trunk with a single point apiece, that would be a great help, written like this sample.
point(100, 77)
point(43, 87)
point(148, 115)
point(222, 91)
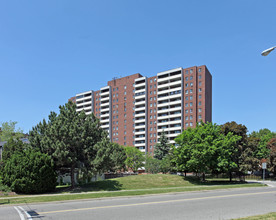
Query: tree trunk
point(203, 176)
point(230, 176)
point(73, 177)
point(185, 173)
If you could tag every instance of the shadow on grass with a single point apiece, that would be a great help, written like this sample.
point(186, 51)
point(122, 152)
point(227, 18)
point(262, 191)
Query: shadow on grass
point(209, 182)
point(102, 185)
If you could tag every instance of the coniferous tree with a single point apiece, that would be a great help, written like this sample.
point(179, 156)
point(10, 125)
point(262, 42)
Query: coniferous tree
point(162, 148)
point(69, 138)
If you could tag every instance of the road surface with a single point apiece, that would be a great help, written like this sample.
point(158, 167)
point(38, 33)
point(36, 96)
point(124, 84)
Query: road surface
point(219, 204)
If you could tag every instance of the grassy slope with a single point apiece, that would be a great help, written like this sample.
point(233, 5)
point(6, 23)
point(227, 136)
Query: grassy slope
point(135, 185)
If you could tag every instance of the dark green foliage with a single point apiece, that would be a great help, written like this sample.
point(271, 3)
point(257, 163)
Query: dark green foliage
point(135, 158)
point(166, 165)
point(29, 172)
point(152, 165)
point(162, 148)
point(76, 142)
point(264, 136)
point(12, 146)
point(70, 139)
point(245, 148)
point(272, 156)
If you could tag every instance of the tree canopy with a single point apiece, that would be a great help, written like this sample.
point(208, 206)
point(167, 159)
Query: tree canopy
point(135, 158)
point(162, 148)
point(204, 149)
point(73, 140)
point(8, 130)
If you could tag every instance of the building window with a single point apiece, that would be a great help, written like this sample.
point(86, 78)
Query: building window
point(199, 117)
point(199, 70)
point(186, 98)
point(191, 117)
point(150, 86)
point(199, 90)
point(191, 71)
point(154, 79)
point(191, 104)
point(150, 98)
point(186, 91)
point(125, 87)
point(199, 96)
point(154, 92)
point(124, 93)
point(191, 77)
point(191, 84)
point(191, 97)
point(124, 137)
point(186, 118)
point(191, 110)
point(199, 103)
point(186, 78)
point(125, 143)
point(186, 104)
point(124, 126)
point(199, 83)
point(191, 91)
point(186, 111)
point(199, 110)
point(124, 121)
point(151, 81)
point(187, 84)
point(199, 77)
point(187, 71)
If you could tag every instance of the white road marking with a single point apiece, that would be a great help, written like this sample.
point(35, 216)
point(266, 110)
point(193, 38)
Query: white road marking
point(20, 214)
point(28, 215)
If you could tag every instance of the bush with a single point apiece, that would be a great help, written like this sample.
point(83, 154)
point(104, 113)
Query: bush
point(152, 165)
point(29, 172)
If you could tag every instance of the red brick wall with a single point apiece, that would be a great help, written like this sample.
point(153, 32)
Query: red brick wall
point(122, 103)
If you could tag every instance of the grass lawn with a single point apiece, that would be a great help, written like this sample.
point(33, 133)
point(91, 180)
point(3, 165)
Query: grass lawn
point(269, 216)
point(129, 186)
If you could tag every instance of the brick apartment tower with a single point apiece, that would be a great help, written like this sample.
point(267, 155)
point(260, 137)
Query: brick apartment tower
point(134, 110)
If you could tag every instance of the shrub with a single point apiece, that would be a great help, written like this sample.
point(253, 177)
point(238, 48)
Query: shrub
point(29, 172)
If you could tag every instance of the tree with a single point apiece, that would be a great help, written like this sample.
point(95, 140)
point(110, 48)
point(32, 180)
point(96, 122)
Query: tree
point(272, 156)
point(162, 148)
point(152, 165)
point(264, 135)
point(245, 148)
point(13, 146)
point(70, 139)
point(204, 149)
point(8, 130)
point(29, 172)
point(135, 158)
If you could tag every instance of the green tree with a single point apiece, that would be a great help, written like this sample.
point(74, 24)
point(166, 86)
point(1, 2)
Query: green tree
point(162, 148)
point(204, 149)
point(135, 158)
point(264, 135)
point(272, 156)
point(29, 172)
point(8, 130)
point(70, 139)
point(165, 164)
point(245, 148)
point(152, 165)
point(11, 147)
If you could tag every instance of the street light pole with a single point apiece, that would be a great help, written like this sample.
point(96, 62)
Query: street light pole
point(267, 51)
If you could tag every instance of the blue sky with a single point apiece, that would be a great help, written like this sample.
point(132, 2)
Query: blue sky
point(51, 50)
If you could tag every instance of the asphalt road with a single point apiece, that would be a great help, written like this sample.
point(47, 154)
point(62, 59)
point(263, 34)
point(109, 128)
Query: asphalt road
point(219, 204)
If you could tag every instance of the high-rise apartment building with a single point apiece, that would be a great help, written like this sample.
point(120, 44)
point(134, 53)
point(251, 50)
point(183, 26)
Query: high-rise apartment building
point(134, 110)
